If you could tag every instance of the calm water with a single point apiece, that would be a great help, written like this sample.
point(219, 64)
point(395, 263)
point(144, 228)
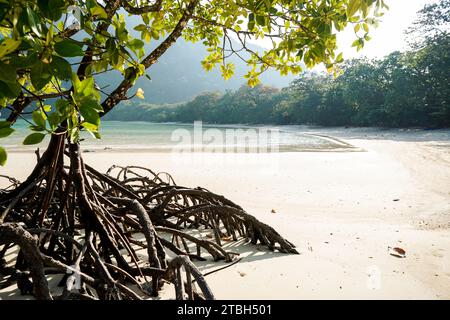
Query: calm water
point(165, 137)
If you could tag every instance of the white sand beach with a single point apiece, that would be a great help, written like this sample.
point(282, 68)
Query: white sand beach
point(342, 210)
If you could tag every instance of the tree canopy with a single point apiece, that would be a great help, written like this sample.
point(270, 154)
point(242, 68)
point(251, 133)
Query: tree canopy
point(52, 50)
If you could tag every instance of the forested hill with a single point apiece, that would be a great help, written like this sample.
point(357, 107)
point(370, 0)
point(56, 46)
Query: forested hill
point(179, 76)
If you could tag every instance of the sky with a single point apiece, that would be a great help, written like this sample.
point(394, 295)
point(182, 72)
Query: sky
point(389, 36)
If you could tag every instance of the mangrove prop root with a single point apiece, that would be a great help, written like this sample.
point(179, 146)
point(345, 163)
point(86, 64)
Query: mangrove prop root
point(109, 234)
point(14, 233)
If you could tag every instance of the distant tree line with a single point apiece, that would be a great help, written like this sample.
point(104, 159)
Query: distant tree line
point(401, 90)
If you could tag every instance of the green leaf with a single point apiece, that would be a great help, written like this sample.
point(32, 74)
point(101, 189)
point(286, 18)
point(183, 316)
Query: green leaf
point(61, 68)
point(86, 88)
point(51, 9)
point(140, 27)
point(90, 115)
point(9, 90)
point(7, 72)
point(155, 34)
point(99, 12)
point(290, 44)
point(34, 22)
point(7, 46)
point(40, 75)
point(3, 156)
point(5, 132)
point(364, 9)
point(92, 104)
point(62, 107)
point(74, 132)
point(24, 62)
point(136, 44)
point(54, 119)
point(353, 7)
point(89, 109)
point(90, 4)
point(251, 22)
point(92, 129)
point(146, 35)
point(44, 7)
point(75, 82)
point(39, 117)
point(67, 48)
point(227, 70)
point(145, 18)
point(261, 20)
point(5, 124)
point(365, 27)
point(359, 44)
point(34, 138)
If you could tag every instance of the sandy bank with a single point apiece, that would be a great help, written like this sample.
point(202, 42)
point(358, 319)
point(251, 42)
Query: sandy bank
point(342, 209)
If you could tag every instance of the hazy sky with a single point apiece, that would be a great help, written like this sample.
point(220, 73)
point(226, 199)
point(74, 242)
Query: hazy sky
point(389, 36)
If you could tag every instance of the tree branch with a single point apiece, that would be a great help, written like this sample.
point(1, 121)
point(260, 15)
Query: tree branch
point(120, 92)
point(23, 101)
point(144, 9)
point(18, 106)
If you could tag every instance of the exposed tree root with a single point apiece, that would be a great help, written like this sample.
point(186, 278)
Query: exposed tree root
point(13, 233)
point(93, 228)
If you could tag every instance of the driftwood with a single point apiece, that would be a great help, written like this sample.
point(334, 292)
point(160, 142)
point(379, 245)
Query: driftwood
point(85, 225)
